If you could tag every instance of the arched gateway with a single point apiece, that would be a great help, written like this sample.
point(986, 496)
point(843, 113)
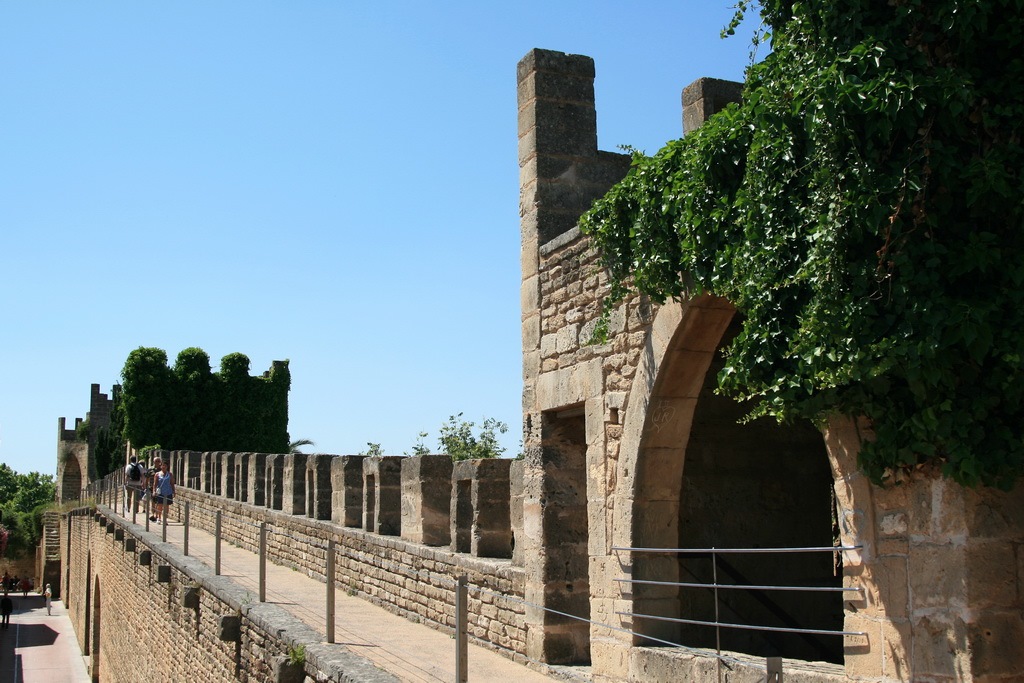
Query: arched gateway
point(627, 447)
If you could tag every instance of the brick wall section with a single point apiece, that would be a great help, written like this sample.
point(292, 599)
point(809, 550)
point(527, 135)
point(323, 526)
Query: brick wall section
point(408, 579)
point(149, 631)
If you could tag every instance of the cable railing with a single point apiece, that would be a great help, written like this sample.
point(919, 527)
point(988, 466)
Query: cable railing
point(108, 492)
point(753, 588)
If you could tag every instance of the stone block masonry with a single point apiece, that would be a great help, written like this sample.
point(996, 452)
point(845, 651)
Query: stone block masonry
point(125, 599)
point(409, 579)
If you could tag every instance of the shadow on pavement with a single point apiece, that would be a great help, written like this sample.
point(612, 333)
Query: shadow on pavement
point(34, 635)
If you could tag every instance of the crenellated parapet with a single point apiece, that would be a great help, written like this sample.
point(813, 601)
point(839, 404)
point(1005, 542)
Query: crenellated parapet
point(468, 506)
point(76, 459)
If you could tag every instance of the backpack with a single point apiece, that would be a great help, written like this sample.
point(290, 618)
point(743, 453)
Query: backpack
point(135, 473)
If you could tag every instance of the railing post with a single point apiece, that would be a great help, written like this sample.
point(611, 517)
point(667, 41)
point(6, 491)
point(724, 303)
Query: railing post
point(263, 561)
point(216, 545)
point(163, 523)
point(330, 591)
point(774, 669)
point(718, 629)
point(149, 505)
point(185, 542)
point(461, 642)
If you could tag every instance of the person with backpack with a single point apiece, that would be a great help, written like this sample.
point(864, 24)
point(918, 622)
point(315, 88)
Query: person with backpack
point(134, 484)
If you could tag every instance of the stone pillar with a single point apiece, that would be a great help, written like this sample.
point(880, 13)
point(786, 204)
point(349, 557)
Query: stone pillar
point(426, 499)
point(227, 475)
point(318, 486)
point(347, 490)
point(481, 504)
point(707, 96)
point(382, 495)
point(240, 491)
point(257, 476)
point(293, 492)
point(274, 481)
point(192, 469)
point(206, 472)
point(941, 568)
point(217, 473)
point(561, 173)
point(515, 502)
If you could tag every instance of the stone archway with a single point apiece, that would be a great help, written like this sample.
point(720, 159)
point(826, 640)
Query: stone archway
point(72, 472)
point(671, 410)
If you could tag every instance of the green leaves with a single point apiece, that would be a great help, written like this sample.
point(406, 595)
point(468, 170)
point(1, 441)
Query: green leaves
point(864, 210)
point(459, 442)
point(190, 407)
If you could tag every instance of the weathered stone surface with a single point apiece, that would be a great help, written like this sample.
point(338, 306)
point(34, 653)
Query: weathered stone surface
point(481, 504)
point(382, 494)
point(347, 490)
point(319, 488)
point(426, 499)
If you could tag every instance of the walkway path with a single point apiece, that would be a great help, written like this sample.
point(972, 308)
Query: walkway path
point(410, 651)
point(38, 647)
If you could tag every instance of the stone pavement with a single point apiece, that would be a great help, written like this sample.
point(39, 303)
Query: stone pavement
point(38, 647)
point(410, 651)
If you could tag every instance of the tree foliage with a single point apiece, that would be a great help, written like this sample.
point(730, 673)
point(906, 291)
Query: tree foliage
point(23, 497)
point(458, 440)
point(191, 407)
point(862, 208)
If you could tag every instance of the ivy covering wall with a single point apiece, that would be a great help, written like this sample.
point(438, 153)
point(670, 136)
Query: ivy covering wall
point(863, 208)
point(190, 407)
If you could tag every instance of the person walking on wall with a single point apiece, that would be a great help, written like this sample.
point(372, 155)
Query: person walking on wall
point(151, 473)
point(164, 491)
point(134, 484)
point(49, 598)
point(6, 607)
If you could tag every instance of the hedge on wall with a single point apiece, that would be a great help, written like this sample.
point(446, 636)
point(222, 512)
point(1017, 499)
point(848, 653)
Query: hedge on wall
point(190, 407)
point(863, 208)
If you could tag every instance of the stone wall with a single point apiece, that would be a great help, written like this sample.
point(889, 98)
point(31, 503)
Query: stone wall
point(608, 427)
point(76, 464)
point(409, 579)
point(144, 612)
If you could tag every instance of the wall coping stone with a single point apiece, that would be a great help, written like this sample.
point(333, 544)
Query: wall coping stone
point(337, 662)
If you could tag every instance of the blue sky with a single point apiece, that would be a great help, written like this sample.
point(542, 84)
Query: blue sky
point(334, 183)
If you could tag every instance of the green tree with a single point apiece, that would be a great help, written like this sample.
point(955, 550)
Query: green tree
point(188, 407)
point(863, 210)
point(459, 442)
point(23, 497)
point(297, 445)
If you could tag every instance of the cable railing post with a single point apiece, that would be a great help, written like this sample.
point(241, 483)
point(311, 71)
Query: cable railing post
point(185, 541)
point(263, 561)
point(774, 669)
point(461, 630)
point(216, 545)
point(330, 591)
point(714, 579)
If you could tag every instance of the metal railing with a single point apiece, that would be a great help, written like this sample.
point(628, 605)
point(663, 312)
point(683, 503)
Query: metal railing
point(715, 586)
point(108, 492)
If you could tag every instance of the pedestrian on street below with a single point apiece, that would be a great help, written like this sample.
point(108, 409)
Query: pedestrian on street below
point(6, 607)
